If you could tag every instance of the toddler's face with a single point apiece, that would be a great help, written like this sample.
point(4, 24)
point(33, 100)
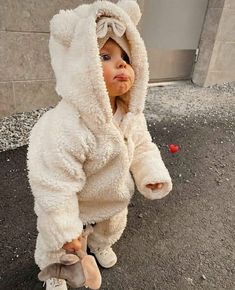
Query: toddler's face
point(118, 74)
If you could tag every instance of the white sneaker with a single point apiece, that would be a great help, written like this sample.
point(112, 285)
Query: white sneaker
point(106, 257)
point(56, 284)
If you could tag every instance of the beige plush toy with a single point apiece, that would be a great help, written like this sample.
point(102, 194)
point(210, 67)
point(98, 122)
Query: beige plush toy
point(78, 269)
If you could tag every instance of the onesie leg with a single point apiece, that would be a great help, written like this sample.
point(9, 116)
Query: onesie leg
point(108, 232)
point(43, 256)
point(105, 234)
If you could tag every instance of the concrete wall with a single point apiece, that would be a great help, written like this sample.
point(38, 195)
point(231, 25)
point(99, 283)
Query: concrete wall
point(216, 62)
point(26, 78)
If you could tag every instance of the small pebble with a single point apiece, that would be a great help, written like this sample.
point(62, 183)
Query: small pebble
point(190, 280)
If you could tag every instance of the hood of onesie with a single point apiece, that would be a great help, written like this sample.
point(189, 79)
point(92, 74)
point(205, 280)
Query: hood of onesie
point(75, 59)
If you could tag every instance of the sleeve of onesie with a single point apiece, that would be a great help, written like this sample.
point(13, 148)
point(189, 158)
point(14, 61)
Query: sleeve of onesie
point(147, 166)
point(56, 175)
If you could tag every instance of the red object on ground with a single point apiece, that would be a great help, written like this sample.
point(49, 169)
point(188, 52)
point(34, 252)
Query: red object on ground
point(174, 148)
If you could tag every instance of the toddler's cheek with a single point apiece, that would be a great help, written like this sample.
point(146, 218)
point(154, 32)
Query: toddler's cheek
point(132, 76)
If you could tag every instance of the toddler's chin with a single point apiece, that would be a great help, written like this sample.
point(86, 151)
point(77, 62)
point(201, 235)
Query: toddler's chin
point(122, 90)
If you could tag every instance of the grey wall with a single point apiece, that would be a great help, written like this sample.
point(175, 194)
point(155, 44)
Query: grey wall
point(216, 63)
point(26, 77)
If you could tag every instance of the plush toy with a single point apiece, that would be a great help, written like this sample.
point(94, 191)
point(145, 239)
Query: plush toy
point(78, 269)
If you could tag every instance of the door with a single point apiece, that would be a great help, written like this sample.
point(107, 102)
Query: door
point(171, 30)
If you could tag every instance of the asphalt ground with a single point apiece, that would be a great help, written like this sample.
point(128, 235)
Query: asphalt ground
point(184, 241)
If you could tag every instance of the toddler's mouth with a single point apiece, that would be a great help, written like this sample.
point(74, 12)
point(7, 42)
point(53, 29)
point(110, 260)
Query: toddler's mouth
point(121, 77)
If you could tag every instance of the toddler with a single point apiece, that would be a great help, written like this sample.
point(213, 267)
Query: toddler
point(82, 152)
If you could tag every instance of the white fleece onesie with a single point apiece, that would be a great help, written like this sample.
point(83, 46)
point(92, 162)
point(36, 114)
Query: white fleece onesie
point(80, 156)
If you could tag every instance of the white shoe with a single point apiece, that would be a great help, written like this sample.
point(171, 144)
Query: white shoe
point(106, 257)
point(56, 284)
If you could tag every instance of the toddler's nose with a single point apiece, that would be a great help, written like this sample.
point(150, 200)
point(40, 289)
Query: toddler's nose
point(121, 63)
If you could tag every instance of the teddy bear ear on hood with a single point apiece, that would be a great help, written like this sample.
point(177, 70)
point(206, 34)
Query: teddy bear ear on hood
point(132, 8)
point(62, 26)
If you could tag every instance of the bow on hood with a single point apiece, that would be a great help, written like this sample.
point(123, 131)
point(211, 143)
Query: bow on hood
point(75, 57)
point(106, 22)
point(112, 28)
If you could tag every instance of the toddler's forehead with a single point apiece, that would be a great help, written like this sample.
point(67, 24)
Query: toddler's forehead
point(110, 45)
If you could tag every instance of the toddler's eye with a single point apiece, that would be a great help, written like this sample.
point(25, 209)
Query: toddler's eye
point(126, 58)
point(105, 57)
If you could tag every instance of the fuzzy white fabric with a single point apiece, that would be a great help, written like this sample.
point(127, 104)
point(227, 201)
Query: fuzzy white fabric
point(79, 154)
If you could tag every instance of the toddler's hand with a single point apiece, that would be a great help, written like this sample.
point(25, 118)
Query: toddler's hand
point(73, 246)
point(155, 186)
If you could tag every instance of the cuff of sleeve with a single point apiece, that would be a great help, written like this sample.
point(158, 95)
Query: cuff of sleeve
point(149, 173)
point(156, 193)
point(67, 231)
